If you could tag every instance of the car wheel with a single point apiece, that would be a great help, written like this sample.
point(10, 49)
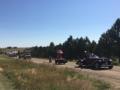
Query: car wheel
point(110, 67)
point(56, 62)
point(97, 66)
point(81, 66)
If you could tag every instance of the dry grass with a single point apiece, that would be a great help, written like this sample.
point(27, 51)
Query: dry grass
point(29, 76)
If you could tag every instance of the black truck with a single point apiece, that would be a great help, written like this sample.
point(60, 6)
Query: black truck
point(94, 62)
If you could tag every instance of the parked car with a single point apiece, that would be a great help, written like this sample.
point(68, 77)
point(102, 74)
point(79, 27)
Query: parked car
point(26, 54)
point(95, 62)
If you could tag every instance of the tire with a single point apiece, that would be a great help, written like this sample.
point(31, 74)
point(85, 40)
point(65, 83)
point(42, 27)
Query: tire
point(56, 62)
point(96, 66)
point(81, 66)
point(110, 67)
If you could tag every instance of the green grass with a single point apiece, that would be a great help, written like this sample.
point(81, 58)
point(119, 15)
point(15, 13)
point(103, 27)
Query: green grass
point(5, 84)
point(115, 61)
point(29, 76)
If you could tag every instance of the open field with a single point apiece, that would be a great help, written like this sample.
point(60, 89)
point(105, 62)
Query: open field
point(111, 76)
point(30, 76)
point(5, 84)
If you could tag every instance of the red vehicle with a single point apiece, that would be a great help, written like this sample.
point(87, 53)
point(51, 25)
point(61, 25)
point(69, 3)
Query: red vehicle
point(59, 57)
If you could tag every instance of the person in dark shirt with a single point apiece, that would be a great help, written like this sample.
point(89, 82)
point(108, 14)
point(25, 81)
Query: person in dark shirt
point(50, 59)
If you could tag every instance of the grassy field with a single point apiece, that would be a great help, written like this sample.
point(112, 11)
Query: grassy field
point(5, 84)
point(28, 76)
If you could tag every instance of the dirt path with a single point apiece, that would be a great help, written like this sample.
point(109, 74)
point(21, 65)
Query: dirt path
point(110, 76)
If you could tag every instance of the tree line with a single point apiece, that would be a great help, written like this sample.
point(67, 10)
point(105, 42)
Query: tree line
point(107, 46)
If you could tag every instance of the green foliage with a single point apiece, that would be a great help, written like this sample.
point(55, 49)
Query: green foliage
point(72, 48)
point(109, 43)
point(115, 61)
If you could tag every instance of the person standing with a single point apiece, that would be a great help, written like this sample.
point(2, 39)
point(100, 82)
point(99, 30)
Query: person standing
point(50, 59)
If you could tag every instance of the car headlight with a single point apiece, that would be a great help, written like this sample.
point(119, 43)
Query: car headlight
point(81, 60)
point(110, 60)
point(100, 60)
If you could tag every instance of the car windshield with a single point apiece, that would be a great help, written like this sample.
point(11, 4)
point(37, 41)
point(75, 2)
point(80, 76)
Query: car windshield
point(93, 56)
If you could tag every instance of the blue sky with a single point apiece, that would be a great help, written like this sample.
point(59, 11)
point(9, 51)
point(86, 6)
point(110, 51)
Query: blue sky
point(26, 23)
